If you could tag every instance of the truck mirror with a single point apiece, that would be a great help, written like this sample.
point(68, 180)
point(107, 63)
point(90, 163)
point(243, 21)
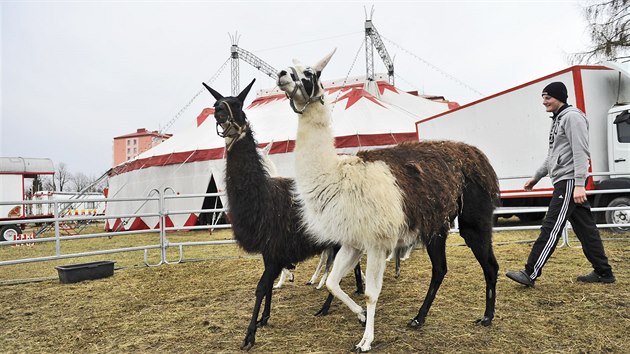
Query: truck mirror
point(622, 117)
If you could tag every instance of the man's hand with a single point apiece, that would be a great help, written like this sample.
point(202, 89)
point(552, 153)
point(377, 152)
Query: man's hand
point(579, 195)
point(530, 184)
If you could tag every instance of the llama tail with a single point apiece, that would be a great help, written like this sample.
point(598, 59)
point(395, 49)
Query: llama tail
point(484, 174)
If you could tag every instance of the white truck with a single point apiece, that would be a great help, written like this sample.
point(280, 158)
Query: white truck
point(512, 127)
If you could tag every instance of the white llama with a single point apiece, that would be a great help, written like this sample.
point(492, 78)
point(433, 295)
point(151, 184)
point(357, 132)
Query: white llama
point(381, 199)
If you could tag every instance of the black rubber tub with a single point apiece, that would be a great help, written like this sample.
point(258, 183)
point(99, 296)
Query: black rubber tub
point(75, 273)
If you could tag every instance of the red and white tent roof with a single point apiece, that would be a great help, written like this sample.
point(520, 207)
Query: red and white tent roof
point(186, 162)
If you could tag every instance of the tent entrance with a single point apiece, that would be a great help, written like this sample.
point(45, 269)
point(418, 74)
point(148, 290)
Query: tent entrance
point(211, 218)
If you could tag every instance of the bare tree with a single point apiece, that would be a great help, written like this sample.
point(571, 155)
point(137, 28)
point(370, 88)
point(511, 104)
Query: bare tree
point(62, 176)
point(80, 181)
point(609, 25)
point(48, 183)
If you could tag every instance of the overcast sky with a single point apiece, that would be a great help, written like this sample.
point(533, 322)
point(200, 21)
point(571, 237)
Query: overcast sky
point(76, 74)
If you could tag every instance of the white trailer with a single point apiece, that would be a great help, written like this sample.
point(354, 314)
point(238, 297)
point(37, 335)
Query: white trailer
point(16, 174)
point(512, 127)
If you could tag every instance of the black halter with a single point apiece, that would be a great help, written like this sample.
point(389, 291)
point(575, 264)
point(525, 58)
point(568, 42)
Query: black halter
point(231, 129)
point(300, 86)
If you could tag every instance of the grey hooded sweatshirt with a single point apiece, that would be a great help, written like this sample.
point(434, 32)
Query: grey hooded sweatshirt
point(568, 154)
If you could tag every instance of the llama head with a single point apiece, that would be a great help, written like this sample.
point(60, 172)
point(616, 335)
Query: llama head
point(301, 83)
point(228, 112)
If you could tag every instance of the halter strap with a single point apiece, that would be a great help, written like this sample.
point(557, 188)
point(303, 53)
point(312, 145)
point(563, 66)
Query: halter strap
point(300, 86)
point(232, 126)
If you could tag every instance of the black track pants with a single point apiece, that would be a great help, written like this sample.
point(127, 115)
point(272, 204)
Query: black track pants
point(563, 208)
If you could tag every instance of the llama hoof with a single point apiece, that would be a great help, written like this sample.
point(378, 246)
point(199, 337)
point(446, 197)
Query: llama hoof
point(322, 312)
point(485, 321)
point(415, 323)
point(362, 347)
point(363, 318)
point(248, 342)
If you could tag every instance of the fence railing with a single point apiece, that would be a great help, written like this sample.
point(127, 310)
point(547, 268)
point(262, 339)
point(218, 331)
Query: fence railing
point(163, 243)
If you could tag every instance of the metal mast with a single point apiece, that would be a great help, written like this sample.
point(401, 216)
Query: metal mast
point(235, 72)
point(248, 57)
point(373, 40)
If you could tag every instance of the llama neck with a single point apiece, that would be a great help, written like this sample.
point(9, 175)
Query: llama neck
point(315, 143)
point(246, 179)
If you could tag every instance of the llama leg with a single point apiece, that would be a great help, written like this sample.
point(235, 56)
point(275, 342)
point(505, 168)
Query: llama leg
point(358, 277)
point(326, 306)
point(481, 245)
point(265, 281)
point(437, 253)
point(398, 252)
point(332, 252)
point(320, 265)
point(408, 252)
point(273, 274)
point(283, 277)
point(373, 284)
point(322, 281)
point(475, 226)
point(346, 259)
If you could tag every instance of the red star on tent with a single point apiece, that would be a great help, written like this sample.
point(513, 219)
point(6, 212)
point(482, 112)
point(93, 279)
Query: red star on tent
point(356, 94)
point(203, 115)
point(386, 85)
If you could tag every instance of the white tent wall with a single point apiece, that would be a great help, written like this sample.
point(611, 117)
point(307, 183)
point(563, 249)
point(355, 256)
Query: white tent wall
point(186, 178)
point(187, 161)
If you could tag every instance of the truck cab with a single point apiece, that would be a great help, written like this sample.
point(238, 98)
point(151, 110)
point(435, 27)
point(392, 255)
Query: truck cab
point(618, 132)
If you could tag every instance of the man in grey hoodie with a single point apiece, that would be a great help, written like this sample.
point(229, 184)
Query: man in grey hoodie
point(567, 166)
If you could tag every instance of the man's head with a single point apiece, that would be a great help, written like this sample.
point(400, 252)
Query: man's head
point(554, 96)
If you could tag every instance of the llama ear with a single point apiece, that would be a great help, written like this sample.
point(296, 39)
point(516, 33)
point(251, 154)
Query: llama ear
point(241, 96)
point(296, 62)
point(322, 63)
point(216, 95)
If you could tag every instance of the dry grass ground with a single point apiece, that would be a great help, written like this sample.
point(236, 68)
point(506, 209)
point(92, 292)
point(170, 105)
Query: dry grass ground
point(204, 306)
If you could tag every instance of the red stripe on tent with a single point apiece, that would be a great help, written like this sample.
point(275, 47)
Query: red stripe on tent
point(117, 226)
point(453, 105)
point(167, 223)
point(203, 115)
point(138, 224)
point(107, 224)
point(192, 220)
point(279, 147)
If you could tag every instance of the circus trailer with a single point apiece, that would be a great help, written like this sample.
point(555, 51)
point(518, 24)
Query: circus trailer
point(512, 128)
point(76, 203)
point(19, 178)
point(193, 160)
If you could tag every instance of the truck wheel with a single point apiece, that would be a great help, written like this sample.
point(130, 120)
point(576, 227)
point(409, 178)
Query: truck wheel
point(8, 232)
point(619, 216)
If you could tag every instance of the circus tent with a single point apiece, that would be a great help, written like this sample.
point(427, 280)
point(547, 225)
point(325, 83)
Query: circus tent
point(192, 161)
